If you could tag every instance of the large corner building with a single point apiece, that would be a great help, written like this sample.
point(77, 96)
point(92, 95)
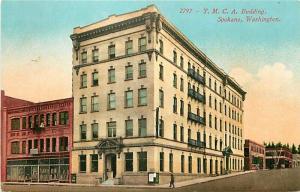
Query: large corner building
point(146, 99)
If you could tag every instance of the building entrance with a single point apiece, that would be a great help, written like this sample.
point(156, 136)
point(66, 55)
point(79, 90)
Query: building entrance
point(110, 166)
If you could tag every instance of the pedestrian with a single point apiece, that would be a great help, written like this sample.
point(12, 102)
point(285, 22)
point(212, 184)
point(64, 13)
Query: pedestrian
point(172, 181)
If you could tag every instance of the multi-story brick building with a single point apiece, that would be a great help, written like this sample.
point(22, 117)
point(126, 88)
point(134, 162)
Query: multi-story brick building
point(278, 157)
point(148, 100)
point(36, 140)
point(255, 157)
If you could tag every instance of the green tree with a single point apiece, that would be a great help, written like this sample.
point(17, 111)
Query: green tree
point(272, 144)
point(299, 149)
point(294, 149)
point(278, 144)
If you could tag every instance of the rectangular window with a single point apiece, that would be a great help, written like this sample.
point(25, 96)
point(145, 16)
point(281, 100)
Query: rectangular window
point(161, 98)
point(83, 131)
point(47, 144)
point(171, 162)
point(199, 165)
point(83, 107)
point(175, 80)
point(129, 128)
point(174, 57)
point(190, 164)
point(84, 57)
point(15, 147)
point(161, 47)
point(64, 118)
point(161, 128)
point(95, 130)
point(142, 44)
point(54, 119)
point(111, 51)
point(161, 161)
point(15, 124)
point(95, 79)
point(142, 127)
point(128, 161)
point(182, 134)
point(111, 76)
point(94, 163)
point(48, 119)
point(82, 163)
point(95, 103)
point(36, 121)
point(142, 97)
point(181, 84)
point(175, 132)
point(161, 72)
point(111, 101)
point(128, 47)
point(24, 121)
point(174, 105)
point(30, 122)
point(41, 145)
point(182, 163)
point(181, 107)
point(142, 70)
point(53, 144)
point(128, 98)
point(83, 81)
point(128, 72)
point(111, 129)
point(95, 55)
point(29, 145)
point(142, 159)
point(24, 147)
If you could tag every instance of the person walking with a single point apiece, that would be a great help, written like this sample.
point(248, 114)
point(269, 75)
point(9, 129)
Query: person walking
point(172, 181)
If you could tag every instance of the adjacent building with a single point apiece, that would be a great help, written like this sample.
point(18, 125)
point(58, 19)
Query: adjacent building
point(146, 99)
point(36, 140)
point(254, 155)
point(296, 160)
point(278, 157)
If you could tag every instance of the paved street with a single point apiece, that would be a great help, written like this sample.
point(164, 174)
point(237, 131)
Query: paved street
point(271, 180)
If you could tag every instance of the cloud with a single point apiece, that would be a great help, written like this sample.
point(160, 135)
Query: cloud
point(272, 103)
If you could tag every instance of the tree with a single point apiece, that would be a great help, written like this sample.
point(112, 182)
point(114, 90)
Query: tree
point(272, 145)
point(299, 149)
point(294, 149)
point(278, 144)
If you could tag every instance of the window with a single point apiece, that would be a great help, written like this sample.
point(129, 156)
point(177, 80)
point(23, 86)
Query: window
point(210, 144)
point(142, 96)
point(48, 120)
point(94, 163)
point(182, 163)
point(142, 44)
point(36, 121)
point(220, 107)
point(171, 162)
point(95, 55)
point(142, 70)
point(181, 62)
point(216, 122)
point(84, 57)
point(63, 118)
point(174, 57)
point(221, 125)
point(47, 144)
point(181, 107)
point(42, 120)
point(128, 161)
point(175, 132)
point(83, 131)
point(142, 127)
point(24, 147)
point(161, 72)
point(209, 82)
point(54, 119)
point(111, 51)
point(94, 131)
point(29, 145)
point(128, 72)
point(210, 123)
point(128, 47)
point(174, 80)
point(111, 101)
point(111, 129)
point(161, 161)
point(161, 128)
point(199, 165)
point(94, 103)
point(161, 47)
point(161, 98)
point(142, 159)
point(63, 144)
point(174, 105)
point(111, 76)
point(190, 164)
point(15, 147)
point(95, 79)
point(15, 124)
point(83, 81)
point(209, 99)
point(82, 163)
point(181, 134)
point(24, 123)
point(181, 84)
point(128, 98)
point(215, 104)
point(83, 107)
point(53, 144)
point(128, 128)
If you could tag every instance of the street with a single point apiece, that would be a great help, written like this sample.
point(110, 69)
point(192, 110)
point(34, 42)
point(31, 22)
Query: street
point(270, 180)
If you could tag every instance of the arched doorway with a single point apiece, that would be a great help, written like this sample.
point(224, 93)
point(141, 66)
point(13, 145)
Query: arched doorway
point(110, 165)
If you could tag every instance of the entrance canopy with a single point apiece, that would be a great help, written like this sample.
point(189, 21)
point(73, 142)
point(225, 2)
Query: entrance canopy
point(110, 145)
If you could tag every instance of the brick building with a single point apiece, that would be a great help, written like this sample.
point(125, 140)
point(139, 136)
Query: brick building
point(254, 155)
point(278, 157)
point(36, 140)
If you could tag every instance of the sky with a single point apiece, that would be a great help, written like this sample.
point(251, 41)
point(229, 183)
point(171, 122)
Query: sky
point(263, 57)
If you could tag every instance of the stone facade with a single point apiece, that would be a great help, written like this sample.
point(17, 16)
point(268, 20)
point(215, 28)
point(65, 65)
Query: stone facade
point(147, 100)
point(255, 157)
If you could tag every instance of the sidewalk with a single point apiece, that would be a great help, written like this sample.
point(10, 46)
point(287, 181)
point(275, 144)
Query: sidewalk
point(177, 184)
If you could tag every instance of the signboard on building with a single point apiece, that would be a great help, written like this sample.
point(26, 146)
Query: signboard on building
point(153, 178)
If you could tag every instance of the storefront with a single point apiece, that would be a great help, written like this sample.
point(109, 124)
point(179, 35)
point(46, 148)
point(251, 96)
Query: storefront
point(38, 170)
